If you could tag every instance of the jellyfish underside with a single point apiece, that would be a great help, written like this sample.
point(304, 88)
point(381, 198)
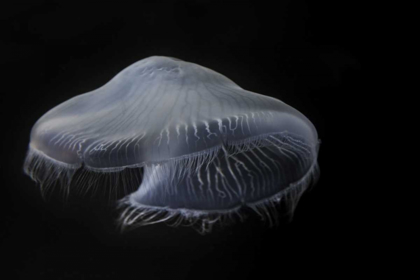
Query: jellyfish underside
point(206, 148)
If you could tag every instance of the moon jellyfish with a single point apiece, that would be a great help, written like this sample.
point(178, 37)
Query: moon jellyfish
point(206, 149)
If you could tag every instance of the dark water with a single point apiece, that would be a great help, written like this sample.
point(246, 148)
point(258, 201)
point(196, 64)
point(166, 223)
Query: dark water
point(304, 53)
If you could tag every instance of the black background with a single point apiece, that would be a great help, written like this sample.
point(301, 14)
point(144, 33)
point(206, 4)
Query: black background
point(306, 53)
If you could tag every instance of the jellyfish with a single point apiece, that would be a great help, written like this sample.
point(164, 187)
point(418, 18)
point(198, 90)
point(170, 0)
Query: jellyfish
point(206, 149)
